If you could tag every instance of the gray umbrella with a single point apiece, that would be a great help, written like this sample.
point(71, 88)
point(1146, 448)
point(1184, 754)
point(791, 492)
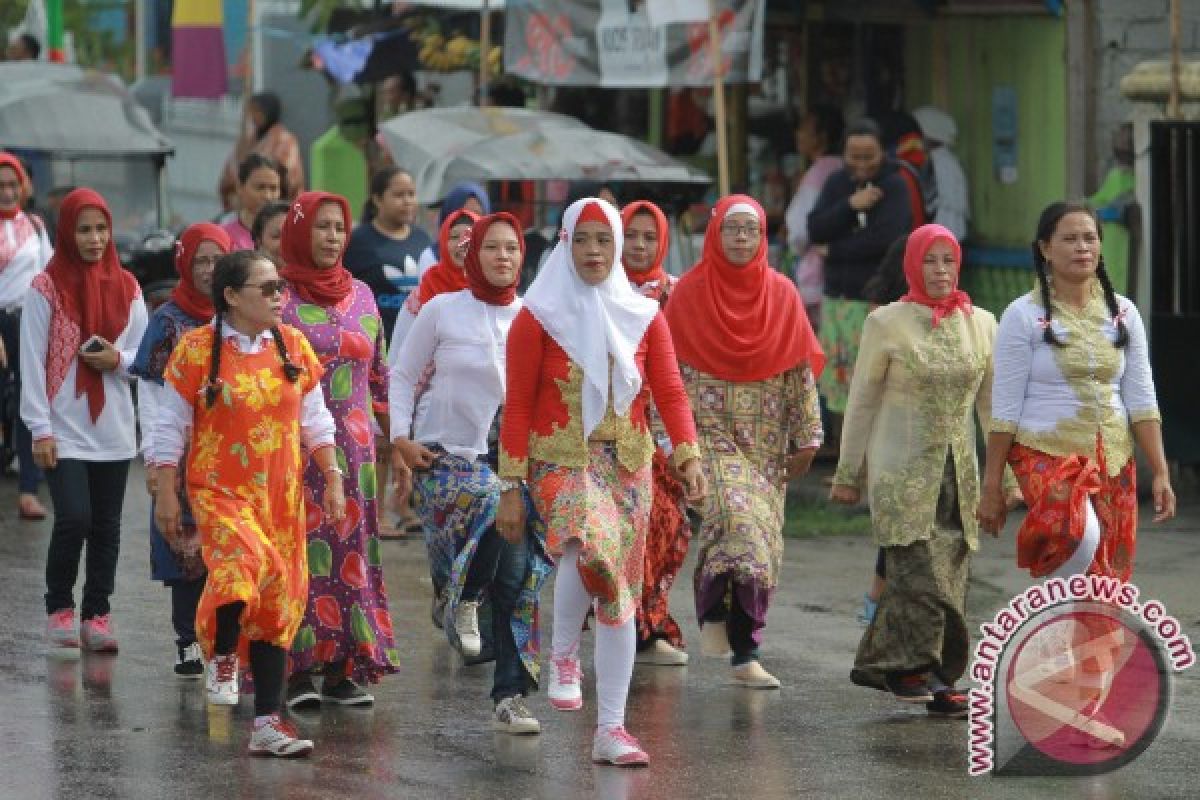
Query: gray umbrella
point(442, 147)
point(68, 111)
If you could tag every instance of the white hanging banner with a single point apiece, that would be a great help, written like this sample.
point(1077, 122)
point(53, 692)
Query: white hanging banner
point(603, 43)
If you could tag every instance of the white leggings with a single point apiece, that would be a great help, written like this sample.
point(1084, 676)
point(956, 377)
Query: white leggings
point(615, 644)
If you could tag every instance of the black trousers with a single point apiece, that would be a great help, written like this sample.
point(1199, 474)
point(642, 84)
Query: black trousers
point(88, 497)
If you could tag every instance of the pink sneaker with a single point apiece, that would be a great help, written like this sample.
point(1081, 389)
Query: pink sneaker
point(60, 629)
point(97, 635)
point(563, 689)
point(615, 746)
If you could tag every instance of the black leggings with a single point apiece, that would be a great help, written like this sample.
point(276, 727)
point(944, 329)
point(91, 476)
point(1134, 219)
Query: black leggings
point(267, 661)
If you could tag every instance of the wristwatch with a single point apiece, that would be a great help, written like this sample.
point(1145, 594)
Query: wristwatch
point(507, 485)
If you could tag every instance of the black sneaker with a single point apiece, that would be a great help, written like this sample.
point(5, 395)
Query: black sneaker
point(302, 695)
point(345, 693)
point(909, 688)
point(189, 663)
point(949, 703)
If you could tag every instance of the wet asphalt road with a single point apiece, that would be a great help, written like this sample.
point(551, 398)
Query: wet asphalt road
point(125, 727)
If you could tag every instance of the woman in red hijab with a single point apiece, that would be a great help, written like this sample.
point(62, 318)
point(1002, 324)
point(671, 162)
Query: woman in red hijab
point(750, 360)
point(177, 563)
point(447, 275)
point(660, 639)
point(923, 374)
point(24, 251)
point(347, 631)
point(80, 329)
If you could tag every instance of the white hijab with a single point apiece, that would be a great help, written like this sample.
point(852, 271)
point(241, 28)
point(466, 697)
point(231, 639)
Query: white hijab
point(592, 323)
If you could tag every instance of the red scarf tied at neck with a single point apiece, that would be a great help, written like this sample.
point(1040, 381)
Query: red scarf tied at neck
point(919, 242)
point(655, 271)
point(195, 303)
point(445, 276)
point(321, 286)
point(740, 323)
point(95, 296)
point(480, 286)
point(14, 163)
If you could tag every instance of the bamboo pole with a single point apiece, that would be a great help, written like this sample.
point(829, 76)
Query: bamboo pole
point(485, 44)
point(1173, 100)
point(714, 43)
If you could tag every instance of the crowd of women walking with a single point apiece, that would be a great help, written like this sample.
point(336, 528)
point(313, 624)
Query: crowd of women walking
point(590, 430)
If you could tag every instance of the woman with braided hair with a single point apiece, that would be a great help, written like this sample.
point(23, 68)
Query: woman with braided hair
point(243, 395)
point(1072, 393)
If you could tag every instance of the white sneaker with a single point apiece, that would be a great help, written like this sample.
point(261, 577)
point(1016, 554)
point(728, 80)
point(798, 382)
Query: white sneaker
point(278, 738)
point(564, 675)
point(662, 654)
point(466, 625)
point(221, 680)
point(615, 746)
point(513, 716)
point(753, 676)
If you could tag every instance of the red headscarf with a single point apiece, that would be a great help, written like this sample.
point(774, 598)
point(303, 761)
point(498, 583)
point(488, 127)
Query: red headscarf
point(655, 272)
point(445, 276)
point(95, 296)
point(919, 242)
point(322, 287)
point(9, 160)
point(195, 303)
point(740, 323)
point(480, 286)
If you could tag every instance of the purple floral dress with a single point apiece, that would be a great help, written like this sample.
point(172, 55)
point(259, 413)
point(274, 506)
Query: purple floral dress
point(347, 616)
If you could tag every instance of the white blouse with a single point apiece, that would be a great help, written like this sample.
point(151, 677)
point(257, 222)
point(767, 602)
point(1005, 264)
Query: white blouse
point(66, 418)
point(1057, 399)
point(462, 339)
point(172, 415)
point(29, 257)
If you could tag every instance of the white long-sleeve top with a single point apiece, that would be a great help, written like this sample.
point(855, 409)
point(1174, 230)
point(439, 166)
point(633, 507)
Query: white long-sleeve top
point(1057, 399)
point(28, 247)
point(173, 415)
point(149, 398)
point(464, 340)
point(953, 199)
point(65, 417)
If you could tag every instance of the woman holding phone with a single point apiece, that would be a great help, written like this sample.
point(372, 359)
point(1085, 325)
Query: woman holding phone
point(82, 323)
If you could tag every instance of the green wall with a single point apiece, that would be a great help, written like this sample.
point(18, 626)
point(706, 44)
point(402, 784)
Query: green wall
point(1027, 53)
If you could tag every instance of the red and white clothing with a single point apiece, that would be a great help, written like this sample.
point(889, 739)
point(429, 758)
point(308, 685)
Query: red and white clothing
point(24, 251)
point(50, 406)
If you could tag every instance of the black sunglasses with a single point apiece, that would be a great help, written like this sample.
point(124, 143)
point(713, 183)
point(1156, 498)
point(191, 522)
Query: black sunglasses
point(268, 288)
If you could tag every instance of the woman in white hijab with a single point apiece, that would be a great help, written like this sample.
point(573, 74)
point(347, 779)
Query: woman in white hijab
point(574, 426)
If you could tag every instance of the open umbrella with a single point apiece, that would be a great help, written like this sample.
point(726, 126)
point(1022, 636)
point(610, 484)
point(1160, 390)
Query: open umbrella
point(67, 110)
point(442, 147)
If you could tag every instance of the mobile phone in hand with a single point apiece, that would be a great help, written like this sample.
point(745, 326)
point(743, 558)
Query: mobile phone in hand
point(93, 345)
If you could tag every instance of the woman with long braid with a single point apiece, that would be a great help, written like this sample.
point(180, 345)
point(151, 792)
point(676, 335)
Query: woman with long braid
point(244, 396)
point(1072, 393)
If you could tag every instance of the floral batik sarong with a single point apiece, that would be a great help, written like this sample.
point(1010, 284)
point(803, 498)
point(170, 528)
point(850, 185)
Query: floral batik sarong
point(457, 501)
point(607, 508)
point(666, 549)
point(1055, 489)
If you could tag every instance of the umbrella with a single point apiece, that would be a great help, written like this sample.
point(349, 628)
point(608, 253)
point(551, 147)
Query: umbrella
point(71, 111)
point(442, 147)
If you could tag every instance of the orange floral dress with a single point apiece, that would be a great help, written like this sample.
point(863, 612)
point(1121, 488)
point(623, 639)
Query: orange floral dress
point(245, 478)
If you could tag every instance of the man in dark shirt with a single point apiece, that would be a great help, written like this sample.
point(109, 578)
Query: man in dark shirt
point(862, 209)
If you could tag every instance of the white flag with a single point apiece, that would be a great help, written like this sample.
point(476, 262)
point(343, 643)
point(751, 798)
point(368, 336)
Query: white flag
point(665, 12)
